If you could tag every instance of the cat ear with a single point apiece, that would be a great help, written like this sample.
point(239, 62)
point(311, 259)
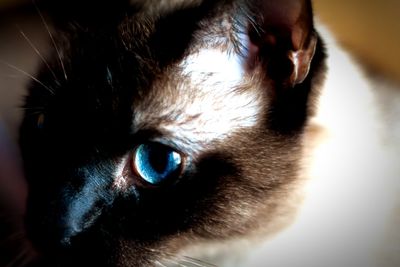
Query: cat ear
point(282, 38)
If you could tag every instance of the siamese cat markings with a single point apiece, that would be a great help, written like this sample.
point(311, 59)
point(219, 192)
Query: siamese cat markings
point(202, 133)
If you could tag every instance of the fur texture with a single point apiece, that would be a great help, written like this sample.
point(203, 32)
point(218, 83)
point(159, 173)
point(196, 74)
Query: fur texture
point(281, 154)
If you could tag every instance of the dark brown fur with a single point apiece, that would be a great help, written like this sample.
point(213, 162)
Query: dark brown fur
point(247, 178)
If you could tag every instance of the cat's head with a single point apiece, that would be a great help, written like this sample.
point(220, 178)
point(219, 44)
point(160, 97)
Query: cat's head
point(156, 126)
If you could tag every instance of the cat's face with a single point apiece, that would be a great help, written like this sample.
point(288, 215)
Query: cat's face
point(152, 132)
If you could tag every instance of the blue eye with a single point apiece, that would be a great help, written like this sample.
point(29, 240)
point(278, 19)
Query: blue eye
point(156, 163)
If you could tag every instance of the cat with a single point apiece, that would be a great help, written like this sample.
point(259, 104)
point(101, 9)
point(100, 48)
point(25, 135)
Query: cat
point(206, 133)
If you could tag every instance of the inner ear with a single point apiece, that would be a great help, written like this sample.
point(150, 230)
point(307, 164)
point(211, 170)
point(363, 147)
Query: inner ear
point(282, 38)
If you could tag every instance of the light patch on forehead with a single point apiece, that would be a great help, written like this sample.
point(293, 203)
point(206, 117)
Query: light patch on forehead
point(164, 6)
point(213, 67)
point(211, 101)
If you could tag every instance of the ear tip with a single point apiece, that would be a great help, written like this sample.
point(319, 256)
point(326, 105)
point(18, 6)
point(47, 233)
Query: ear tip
point(302, 59)
point(288, 20)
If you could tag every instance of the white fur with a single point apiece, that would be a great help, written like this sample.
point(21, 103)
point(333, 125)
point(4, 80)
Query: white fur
point(120, 179)
point(164, 6)
point(209, 106)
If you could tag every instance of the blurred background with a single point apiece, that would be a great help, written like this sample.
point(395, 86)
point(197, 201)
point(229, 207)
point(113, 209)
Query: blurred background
point(369, 29)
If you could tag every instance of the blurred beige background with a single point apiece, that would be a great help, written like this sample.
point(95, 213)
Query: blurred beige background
point(369, 28)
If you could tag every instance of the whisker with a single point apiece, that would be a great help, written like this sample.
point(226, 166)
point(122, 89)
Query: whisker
point(20, 258)
point(31, 108)
point(36, 113)
point(27, 74)
point(174, 262)
point(13, 76)
point(184, 259)
point(252, 21)
point(196, 262)
point(51, 37)
point(33, 111)
point(13, 237)
point(38, 53)
point(159, 263)
point(183, 262)
point(193, 264)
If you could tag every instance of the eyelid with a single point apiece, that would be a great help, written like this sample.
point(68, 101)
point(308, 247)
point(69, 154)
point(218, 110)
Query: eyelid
point(187, 155)
point(156, 136)
point(167, 142)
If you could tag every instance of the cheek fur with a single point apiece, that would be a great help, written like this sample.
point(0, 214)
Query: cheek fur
point(121, 180)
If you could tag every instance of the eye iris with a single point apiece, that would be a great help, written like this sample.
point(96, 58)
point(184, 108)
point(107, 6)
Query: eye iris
point(155, 163)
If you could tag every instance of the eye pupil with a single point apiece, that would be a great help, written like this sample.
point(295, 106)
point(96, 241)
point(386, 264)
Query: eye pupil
point(156, 163)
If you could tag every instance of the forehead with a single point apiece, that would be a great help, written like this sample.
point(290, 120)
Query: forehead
point(189, 85)
point(205, 98)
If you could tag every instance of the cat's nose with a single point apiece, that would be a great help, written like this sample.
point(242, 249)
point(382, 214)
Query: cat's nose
point(57, 231)
point(81, 212)
point(74, 211)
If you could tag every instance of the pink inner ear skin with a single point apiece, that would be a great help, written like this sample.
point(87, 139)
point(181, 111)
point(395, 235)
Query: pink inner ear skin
point(289, 19)
point(285, 13)
point(287, 28)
